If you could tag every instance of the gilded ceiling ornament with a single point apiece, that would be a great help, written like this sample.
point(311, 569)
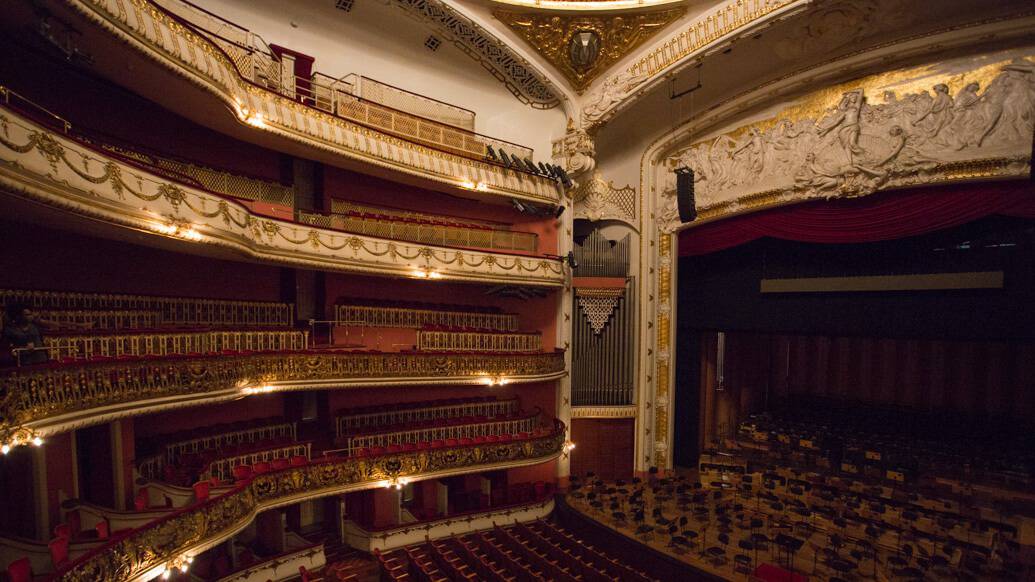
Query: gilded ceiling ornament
point(581, 46)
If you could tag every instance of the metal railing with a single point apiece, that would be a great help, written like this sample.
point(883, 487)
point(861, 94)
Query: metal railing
point(186, 343)
point(222, 468)
point(352, 422)
point(418, 317)
point(477, 341)
point(434, 234)
point(342, 96)
point(403, 100)
point(429, 434)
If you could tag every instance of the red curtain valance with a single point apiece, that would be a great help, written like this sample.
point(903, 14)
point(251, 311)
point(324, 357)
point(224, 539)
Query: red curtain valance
point(878, 217)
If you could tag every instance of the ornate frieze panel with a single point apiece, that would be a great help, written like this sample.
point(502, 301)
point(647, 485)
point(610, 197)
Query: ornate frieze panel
point(492, 53)
point(65, 174)
point(960, 119)
point(603, 412)
point(143, 553)
point(54, 399)
point(583, 46)
point(597, 199)
point(194, 57)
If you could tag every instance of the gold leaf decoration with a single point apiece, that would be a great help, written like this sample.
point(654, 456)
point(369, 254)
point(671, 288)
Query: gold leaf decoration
point(605, 38)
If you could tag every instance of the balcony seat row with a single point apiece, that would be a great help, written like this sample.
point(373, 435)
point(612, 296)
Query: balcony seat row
point(373, 313)
point(441, 338)
point(422, 413)
point(173, 310)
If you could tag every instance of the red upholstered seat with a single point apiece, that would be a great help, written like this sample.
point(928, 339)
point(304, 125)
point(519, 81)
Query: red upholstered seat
point(140, 501)
point(260, 468)
point(62, 530)
point(20, 570)
point(394, 449)
point(58, 552)
point(279, 464)
point(299, 460)
point(201, 490)
point(423, 445)
point(103, 529)
point(242, 472)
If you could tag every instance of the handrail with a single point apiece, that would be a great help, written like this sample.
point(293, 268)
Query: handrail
point(144, 551)
point(334, 108)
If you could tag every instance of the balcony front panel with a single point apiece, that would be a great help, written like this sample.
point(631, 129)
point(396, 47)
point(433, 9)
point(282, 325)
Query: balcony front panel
point(51, 398)
point(65, 174)
point(144, 552)
point(337, 128)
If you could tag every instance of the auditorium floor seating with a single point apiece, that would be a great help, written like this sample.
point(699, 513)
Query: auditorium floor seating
point(537, 551)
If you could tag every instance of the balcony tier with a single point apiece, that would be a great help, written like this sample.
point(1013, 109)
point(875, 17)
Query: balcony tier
point(76, 179)
point(144, 552)
point(52, 398)
point(198, 78)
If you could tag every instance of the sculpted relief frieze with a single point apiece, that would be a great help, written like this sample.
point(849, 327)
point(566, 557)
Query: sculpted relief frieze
point(960, 119)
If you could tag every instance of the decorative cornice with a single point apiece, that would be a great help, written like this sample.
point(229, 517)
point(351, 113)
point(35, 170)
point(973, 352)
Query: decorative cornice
point(515, 72)
point(194, 57)
point(603, 411)
point(605, 38)
point(65, 174)
point(49, 400)
point(143, 553)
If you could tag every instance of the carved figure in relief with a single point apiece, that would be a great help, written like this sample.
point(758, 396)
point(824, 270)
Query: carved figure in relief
point(857, 147)
point(938, 113)
point(610, 93)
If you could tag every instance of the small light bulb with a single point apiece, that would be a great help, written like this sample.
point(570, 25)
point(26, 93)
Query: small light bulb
point(37, 441)
point(5, 449)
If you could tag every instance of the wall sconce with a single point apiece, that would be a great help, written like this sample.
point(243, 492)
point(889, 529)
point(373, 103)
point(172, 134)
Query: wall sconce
point(568, 448)
point(397, 483)
point(182, 230)
point(495, 381)
point(253, 118)
point(21, 437)
point(264, 389)
point(181, 563)
point(426, 273)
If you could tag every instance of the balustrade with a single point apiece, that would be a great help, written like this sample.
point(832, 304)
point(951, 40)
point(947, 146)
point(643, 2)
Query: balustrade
point(103, 319)
point(420, 316)
point(477, 341)
point(180, 343)
point(473, 407)
point(222, 468)
point(174, 310)
point(457, 430)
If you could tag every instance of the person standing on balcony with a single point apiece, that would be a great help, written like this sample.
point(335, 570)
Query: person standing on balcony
point(22, 334)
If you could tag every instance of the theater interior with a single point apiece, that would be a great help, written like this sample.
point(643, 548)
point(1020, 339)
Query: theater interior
point(521, 290)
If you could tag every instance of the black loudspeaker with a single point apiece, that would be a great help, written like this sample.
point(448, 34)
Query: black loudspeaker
point(685, 194)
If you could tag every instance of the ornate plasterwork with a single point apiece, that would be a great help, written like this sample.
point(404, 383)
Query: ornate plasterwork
point(515, 72)
point(52, 400)
point(65, 174)
point(192, 56)
point(603, 412)
point(597, 199)
point(734, 16)
point(956, 120)
point(142, 554)
point(576, 152)
point(598, 304)
point(607, 38)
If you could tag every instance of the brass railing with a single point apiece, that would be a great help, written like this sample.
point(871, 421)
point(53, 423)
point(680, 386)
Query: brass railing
point(223, 467)
point(478, 341)
point(351, 422)
point(455, 431)
point(146, 550)
point(388, 316)
point(174, 310)
point(35, 395)
point(104, 319)
point(181, 343)
point(435, 234)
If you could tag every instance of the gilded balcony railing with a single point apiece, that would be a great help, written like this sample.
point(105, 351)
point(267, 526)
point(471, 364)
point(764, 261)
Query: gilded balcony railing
point(143, 553)
point(391, 316)
point(349, 423)
point(103, 319)
point(459, 430)
point(180, 343)
point(42, 399)
point(173, 310)
point(450, 340)
point(222, 468)
point(425, 232)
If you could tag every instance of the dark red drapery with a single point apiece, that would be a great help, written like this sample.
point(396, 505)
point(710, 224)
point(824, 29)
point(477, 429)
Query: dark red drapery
point(878, 217)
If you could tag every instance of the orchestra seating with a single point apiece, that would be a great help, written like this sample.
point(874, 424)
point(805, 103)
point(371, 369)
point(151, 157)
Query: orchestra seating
point(538, 551)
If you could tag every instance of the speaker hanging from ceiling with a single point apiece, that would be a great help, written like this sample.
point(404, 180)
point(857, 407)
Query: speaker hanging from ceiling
point(685, 194)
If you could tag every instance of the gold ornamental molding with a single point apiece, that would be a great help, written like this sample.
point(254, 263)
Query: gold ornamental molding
point(196, 58)
point(603, 411)
point(148, 551)
point(62, 173)
point(57, 399)
point(583, 46)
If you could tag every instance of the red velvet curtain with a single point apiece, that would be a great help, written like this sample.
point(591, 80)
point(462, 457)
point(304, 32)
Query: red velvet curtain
point(873, 218)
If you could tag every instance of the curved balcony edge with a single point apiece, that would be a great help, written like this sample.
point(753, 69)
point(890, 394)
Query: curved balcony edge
point(145, 552)
point(192, 56)
point(47, 400)
point(70, 177)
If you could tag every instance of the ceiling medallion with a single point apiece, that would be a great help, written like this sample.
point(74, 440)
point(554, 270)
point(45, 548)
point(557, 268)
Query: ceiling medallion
point(583, 46)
